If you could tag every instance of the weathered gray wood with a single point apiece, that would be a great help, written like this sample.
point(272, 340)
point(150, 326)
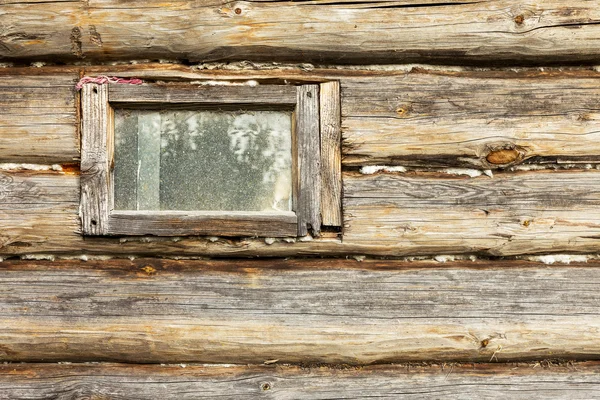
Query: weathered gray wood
point(38, 119)
point(450, 381)
point(297, 311)
point(308, 205)
point(95, 192)
point(523, 31)
point(549, 115)
point(217, 223)
point(511, 213)
point(281, 95)
point(331, 155)
point(480, 119)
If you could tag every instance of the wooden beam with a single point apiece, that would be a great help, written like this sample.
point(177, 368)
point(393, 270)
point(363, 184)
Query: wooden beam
point(331, 154)
point(386, 214)
point(451, 381)
point(475, 119)
point(485, 31)
point(222, 223)
point(511, 213)
point(96, 193)
point(308, 153)
point(38, 118)
point(297, 311)
point(423, 118)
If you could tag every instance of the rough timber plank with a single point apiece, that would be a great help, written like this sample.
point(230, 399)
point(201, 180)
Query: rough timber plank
point(308, 153)
point(511, 213)
point(38, 119)
point(296, 311)
point(501, 30)
point(96, 195)
point(479, 119)
point(331, 157)
point(457, 381)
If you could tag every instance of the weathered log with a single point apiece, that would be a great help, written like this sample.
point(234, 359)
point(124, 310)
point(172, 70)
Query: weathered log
point(485, 31)
point(511, 213)
point(296, 311)
point(38, 116)
point(386, 214)
point(482, 119)
point(452, 381)
point(475, 119)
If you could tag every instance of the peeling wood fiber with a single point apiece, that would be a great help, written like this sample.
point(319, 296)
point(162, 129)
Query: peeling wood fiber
point(455, 381)
point(531, 31)
point(296, 311)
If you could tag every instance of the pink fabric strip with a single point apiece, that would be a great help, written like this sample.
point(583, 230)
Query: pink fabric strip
point(102, 80)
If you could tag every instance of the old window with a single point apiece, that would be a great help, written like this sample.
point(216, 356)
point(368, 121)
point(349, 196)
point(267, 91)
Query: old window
point(209, 160)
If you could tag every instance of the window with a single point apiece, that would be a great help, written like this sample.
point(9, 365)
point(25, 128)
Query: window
point(182, 159)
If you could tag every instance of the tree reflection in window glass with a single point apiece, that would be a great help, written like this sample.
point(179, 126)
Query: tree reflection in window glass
point(203, 160)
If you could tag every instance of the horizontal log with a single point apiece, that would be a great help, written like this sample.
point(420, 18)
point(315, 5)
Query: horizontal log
point(529, 31)
point(38, 118)
point(296, 311)
point(121, 381)
point(386, 214)
point(482, 119)
point(474, 119)
point(511, 213)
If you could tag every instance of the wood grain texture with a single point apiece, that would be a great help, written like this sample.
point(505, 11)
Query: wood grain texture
point(297, 311)
point(511, 213)
point(428, 118)
point(308, 148)
point(159, 94)
point(96, 193)
point(331, 154)
point(219, 223)
point(38, 119)
point(387, 215)
point(530, 31)
point(457, 381)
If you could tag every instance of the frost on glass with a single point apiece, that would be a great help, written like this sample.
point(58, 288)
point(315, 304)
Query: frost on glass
point(203, 160)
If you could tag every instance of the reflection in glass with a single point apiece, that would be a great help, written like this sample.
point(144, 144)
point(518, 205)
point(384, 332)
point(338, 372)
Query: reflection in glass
point(203, 160)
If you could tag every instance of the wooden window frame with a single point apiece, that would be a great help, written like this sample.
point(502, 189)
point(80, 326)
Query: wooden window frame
point(315, 152)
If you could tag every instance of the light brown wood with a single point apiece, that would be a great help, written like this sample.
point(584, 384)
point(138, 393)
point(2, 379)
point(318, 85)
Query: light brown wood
point(387, 215)
point(530, 31)
point(543, 116)
point(222, 223)
point(331, 156)
point(96, 192)
point(466, 119)
point(277, 95)
point(308, 144)
point(511, 213)
point(567, 380)
point(297, 311)
point(38, 119)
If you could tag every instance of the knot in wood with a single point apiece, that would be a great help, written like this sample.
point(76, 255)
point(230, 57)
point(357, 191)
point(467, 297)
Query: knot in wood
point(503, 156)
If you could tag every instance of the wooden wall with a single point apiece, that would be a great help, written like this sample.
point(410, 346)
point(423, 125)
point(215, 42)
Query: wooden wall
point(471, 198)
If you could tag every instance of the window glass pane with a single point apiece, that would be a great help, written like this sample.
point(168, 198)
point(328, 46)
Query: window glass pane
point(203, 160)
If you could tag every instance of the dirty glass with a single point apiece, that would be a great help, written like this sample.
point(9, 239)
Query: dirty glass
point(203, 160)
